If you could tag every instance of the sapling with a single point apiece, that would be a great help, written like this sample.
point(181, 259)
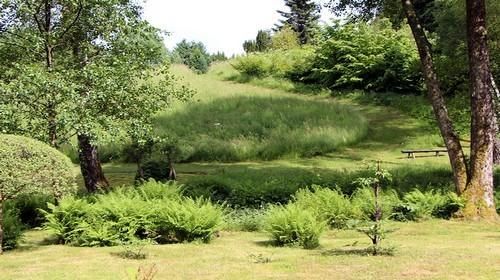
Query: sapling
point(374, 230)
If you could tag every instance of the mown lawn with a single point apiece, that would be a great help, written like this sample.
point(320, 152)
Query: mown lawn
point(434, 249)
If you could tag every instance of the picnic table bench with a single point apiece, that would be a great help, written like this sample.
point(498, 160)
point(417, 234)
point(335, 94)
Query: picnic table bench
point(411, 153)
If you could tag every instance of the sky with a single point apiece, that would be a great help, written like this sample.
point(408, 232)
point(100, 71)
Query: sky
point(221, 25)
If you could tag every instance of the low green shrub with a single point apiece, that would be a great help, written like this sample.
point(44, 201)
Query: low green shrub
point(363, 201)
point(63, 221)
point(187, 220)
point(326, 204)
point(418, 205)
point(153, 169)
point(292, 225)
point(28, 207)
point(152, 212)
point(245, 219)
point(253, 65)
point(12, 229)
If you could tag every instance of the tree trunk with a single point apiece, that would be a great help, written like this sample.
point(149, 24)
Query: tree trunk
point(479, 192)
point(172, 175)
point(90, 165)
point(496, 124)
point(1, 226)
point(450, 137)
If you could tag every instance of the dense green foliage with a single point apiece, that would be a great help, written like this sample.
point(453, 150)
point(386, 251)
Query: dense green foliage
point(12, 229)
point(294, 64)
point(370, 57)
point(245, 127)
point(302, 18)
point(29, 166)
point(261, 43)
point(192, 54)
point(294, 226)
point(152, 212)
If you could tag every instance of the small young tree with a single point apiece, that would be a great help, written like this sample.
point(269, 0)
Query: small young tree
point(28, 167)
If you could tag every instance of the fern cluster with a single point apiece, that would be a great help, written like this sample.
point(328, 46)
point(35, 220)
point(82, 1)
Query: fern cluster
point(153, 212)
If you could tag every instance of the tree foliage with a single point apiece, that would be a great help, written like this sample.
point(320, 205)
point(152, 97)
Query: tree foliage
point(262, 42)
point(474, 181)
point(368, 56)
point(28, 167)
point(302, 17)
point(194, 55)
point(285, 39)
point(79, 68)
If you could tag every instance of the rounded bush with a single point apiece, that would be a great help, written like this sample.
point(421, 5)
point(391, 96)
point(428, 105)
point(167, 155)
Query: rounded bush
point(295, 226)
point(30, 166)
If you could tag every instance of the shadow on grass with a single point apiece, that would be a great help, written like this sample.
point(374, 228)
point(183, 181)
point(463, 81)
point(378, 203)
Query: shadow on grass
point(266, 243)
point(357, 252)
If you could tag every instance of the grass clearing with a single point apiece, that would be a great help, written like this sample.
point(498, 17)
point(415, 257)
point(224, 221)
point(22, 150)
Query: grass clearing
point(434, 249)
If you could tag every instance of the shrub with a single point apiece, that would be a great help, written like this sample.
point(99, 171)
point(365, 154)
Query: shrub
point(295, 226)
point(369, 57)
point(326, 204)
point(253, 65)
point(188, 220)
point(363, 200)
point(28, 166)
point(63, 220)
point(153, 169)
point(12, 229)
point(418, 205)
point(153, 212)
point(28, 208)
point(246, 219)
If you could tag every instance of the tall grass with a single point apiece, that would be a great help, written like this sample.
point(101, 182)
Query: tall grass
point(240, 128)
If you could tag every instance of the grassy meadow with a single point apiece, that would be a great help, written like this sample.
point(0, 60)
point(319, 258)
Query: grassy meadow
point(258, 138)
point(435, 249)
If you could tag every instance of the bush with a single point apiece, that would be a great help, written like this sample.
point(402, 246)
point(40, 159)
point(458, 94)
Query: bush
point(417, 205)
point(253, 65)
point(12, 229)
point(295, 226)
point(363, 200)
point(155, 169)
point(245, 219)
point(369, 57)
point(188, 220)
point(153, 212)
point(28, 208)
point(326, 204)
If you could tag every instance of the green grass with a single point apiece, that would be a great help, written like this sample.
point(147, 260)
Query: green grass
point(255, 127)
point(434, 249)
point(389, 131)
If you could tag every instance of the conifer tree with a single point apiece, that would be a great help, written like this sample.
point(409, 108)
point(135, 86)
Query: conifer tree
point(303, 17)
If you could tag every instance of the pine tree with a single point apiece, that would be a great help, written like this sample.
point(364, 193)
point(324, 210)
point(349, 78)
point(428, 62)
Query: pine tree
point(303, 17)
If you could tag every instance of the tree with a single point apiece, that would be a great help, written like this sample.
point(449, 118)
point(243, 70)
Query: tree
point(194, 55)
point(284, 39)
point(28, 167)
point(262, 42)
point(302, 17)
point(81, 68)
point(479, 191)
point(476, 183)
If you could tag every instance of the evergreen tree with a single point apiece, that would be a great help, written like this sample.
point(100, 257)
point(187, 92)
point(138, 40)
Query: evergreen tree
point(262, 42)
point(303, 17)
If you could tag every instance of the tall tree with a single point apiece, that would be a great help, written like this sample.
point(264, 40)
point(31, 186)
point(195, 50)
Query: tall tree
point(84, 68)
point(476, 183)
point(303, 18)
point(479, 191)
